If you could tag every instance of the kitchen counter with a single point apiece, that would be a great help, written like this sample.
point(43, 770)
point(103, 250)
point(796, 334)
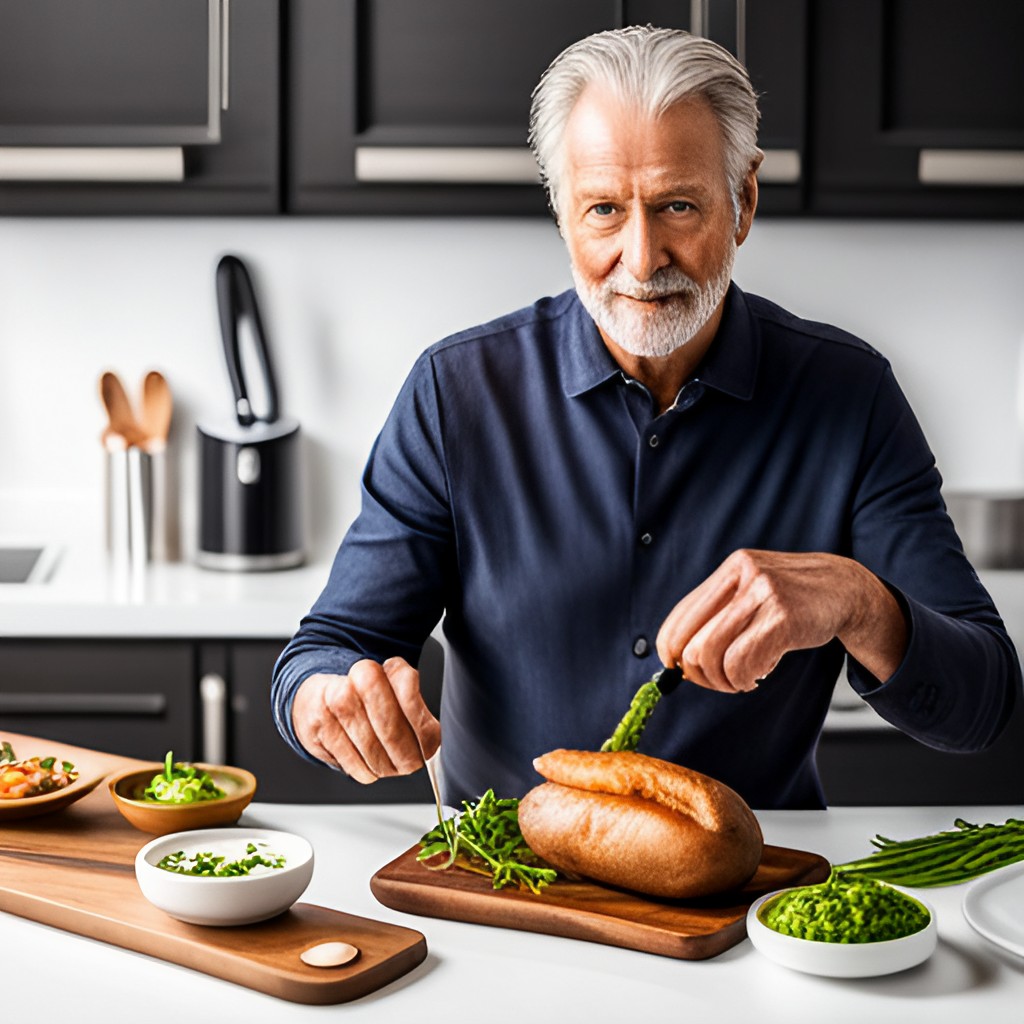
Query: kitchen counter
point(499, 975)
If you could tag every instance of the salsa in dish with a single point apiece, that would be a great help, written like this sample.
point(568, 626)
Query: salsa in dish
point(32, 776)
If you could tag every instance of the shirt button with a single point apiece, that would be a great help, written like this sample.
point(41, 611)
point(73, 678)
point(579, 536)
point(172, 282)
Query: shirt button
point(653, 440)
point(646, 539)
point(640, 646)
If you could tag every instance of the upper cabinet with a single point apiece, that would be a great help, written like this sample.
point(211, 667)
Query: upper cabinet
point(400, 106)
point(879, 108)
point(918, 108)
point(139, 106)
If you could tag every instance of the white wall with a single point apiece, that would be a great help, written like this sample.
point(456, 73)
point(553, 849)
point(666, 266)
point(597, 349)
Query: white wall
point(348, 304)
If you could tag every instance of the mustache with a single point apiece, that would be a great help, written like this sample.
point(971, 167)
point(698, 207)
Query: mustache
point(664, 282)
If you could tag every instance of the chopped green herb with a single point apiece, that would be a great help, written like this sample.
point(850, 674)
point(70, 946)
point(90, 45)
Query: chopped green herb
point(216, 866)
point(486, 838)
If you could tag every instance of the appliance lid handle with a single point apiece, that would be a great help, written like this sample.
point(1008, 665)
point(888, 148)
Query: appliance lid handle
point(235, 300)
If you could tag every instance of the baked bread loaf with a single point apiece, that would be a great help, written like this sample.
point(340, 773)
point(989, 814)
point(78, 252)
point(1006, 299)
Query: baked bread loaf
point(640, 823)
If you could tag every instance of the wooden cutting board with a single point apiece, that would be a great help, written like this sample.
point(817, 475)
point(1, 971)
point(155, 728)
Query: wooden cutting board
point(74, 869)
point(686, 930)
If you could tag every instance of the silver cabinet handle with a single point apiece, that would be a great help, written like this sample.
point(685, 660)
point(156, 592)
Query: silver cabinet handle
point(213, 699)
point(779, 167)
point(985, 167)
point(83, 703)
point(88, 163)
point(506, 165)
point(225, 51)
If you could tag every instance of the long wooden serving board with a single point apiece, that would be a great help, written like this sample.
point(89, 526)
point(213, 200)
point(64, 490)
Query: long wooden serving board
point(686, 930)
point(74, 869)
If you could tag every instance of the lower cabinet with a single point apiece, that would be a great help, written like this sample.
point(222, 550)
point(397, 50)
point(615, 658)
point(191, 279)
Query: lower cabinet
point(203, 700)
point(886, 768)
point(128, 697)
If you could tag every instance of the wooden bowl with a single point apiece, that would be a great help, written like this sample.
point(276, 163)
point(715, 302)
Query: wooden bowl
point(161, 819)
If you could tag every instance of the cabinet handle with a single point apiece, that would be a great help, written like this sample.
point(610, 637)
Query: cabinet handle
point(491, 165)
point(213, 698)
point(83, 703)
point(225, 51)
point(985, 167)
point(88, 163)
point(699, 17)
point(780, 167)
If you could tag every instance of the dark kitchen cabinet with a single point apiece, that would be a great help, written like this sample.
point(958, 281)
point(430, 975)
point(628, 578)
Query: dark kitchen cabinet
point(399, 106)
point(135, 698)
point(396, 106)
point(885, 768)
point(139, 106)
point(918, 108)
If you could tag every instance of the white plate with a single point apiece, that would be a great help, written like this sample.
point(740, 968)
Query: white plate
point(842, 960)
point(994, 907)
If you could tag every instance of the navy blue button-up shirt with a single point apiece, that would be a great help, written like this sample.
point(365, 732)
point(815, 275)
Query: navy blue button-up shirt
point(528, 492)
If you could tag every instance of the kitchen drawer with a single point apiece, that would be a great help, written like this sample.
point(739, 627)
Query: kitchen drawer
point(135, 698)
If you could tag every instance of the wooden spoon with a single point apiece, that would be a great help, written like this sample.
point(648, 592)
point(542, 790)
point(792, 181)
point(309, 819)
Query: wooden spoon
point(119, 409)
point(157, 409)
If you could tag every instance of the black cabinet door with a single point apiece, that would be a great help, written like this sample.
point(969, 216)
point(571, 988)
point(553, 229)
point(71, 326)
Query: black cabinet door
point(400, 106)
point(771, 40)
point(139, 106)
point(919, 108)
point(282, 776)
point(134, 698)
point(886, 768)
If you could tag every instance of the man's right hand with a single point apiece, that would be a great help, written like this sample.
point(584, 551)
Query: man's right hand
point(367, 723)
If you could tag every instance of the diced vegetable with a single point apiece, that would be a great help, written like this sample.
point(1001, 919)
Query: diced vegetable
point(181, 783)
point(847, 910)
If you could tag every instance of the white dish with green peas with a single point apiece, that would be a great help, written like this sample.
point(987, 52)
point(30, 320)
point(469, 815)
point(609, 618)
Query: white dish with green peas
point(224, 876)
point(844, 928)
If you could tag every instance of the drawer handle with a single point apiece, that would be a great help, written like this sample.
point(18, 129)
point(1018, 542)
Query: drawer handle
point(83, 703)
point(984, 167)
point(88, 163)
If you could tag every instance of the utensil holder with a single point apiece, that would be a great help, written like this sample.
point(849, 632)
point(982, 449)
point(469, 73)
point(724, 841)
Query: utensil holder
point(140, 520)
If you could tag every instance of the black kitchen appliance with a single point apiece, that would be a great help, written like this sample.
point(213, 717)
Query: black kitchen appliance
point(250, 487)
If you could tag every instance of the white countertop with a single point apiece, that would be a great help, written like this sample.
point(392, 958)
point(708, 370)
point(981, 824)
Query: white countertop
point(490, 974)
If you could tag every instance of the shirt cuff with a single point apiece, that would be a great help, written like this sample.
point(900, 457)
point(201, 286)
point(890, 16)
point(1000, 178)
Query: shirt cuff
point(289, 675)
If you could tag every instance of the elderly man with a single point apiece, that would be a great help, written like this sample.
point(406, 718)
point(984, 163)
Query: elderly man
point(653, 468)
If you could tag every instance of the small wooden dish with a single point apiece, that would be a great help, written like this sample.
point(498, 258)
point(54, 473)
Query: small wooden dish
point(160, 819)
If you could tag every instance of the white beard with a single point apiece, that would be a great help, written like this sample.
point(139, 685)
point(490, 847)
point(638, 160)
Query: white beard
point(670, 324)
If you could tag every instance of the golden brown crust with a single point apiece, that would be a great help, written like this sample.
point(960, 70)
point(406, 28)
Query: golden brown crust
point(640, 823)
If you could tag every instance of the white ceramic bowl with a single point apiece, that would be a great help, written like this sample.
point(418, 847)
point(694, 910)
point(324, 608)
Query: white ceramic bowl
point(838, 959)
point(232, 900)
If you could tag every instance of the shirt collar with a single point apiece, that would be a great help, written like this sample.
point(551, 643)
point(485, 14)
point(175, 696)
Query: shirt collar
point(730, 365)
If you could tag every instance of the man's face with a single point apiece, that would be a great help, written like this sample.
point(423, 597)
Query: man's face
point(647, 214)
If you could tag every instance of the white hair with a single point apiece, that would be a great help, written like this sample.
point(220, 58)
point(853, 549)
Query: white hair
point(651, 69)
